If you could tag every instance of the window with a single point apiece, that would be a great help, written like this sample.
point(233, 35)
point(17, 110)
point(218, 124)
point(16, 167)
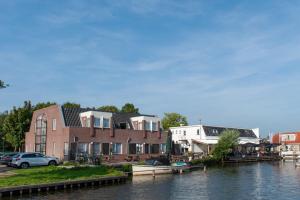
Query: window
point(41, 134)
point(163, 148)
point(105, 148)
point(147, 126)
point(66, 148)
point(139, 148)
point(32, 155)
point(117, 148)
point(154, 126)
point(96, 148)
point(83, 148)
point(123, 125)
point(54, 124)
point(184, 133)
point(105, 123)
point(96, 122)
point(198, 131)
point(146, 151)
point(155, 148)
point(132, 148)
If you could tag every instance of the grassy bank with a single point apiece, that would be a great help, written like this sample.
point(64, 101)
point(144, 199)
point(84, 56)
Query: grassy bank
point(40, 175)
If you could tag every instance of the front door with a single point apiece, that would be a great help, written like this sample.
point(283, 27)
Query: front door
point(73, 151)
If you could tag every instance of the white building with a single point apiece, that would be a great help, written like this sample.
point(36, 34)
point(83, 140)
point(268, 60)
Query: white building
point(202, 138)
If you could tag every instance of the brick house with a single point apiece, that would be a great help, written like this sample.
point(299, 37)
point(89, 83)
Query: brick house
point(68, 132)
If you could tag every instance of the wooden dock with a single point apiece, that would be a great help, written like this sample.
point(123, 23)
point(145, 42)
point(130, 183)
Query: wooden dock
point(74, 184)
point(252, 159)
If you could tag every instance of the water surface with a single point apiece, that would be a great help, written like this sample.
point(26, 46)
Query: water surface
point(248, 181)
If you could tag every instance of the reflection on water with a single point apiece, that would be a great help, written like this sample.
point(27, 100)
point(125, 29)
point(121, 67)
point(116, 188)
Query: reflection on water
point(251, 181)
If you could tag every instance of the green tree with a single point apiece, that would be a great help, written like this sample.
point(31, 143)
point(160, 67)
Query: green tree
point(108, 108)
point(173, 120)
point(71, 105)
point(3, 85)
point(227, 142)
point(16, 124)
point(129, 108)
point(43, 105)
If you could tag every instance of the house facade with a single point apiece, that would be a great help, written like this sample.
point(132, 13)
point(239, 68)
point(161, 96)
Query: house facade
point(202, 138)
point(68, 132)
point(289, 142)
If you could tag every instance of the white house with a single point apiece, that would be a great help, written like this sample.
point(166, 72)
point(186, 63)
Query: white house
point(202, 138)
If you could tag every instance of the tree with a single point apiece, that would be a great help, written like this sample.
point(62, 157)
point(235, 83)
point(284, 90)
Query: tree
point(71, 105)
point(43, 105)
point(173, 120)
point(108, 108)
point(16, 124)
point(129, 108)
point(3, 85)
point(227, 142)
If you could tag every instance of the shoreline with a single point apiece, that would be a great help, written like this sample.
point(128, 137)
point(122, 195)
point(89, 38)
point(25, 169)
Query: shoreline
point(62, 185)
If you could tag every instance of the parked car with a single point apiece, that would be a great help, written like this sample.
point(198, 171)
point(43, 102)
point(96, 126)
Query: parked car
point(25, 160)
point(7, 158)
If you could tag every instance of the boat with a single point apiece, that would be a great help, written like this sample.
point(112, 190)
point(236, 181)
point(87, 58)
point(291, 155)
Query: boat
point(150, 170)
point(151, 167)
point(181, 166)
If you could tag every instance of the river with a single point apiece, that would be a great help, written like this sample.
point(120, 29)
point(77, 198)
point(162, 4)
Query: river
point(247, 181)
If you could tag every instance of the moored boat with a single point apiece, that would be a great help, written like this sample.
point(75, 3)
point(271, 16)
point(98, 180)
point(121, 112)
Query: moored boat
point(150, 170)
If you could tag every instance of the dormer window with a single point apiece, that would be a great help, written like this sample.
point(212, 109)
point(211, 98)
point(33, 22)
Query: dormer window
point(97, 122)
point(101, 119)
point(106, 123)
point(147, 126)
point(148, 123)
point(154, 126)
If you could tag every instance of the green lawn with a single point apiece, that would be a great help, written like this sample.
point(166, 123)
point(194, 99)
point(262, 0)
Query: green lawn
point(39, 175)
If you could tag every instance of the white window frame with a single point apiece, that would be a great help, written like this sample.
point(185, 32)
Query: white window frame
point(53, 124)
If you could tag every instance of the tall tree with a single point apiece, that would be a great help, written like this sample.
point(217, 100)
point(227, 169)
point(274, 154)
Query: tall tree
point(227, 142)
point(71, 105)
point(3, 85)
point(129, 108)
point(16, 124)
point(43, 105)
point(108, 108)
point(173, 119)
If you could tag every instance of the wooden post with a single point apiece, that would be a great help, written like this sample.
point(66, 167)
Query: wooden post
point(153, 173)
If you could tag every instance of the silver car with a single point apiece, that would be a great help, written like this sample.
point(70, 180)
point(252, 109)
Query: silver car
point(25, 160)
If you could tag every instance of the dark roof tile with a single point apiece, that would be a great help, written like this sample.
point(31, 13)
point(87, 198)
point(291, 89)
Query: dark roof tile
point(216, 131)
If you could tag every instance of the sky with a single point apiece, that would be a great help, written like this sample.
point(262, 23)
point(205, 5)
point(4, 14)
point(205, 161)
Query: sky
point(228, 63)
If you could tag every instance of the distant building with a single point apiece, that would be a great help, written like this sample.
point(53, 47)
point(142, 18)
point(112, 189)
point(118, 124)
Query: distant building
point(202, 138)
point(67, 132)
point(289, 141)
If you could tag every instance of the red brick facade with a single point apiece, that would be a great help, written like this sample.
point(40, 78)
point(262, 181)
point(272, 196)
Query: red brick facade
point(65, 137)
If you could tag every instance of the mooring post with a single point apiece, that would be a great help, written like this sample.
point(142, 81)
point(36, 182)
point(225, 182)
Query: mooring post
point(204, 168)
point(153, 173)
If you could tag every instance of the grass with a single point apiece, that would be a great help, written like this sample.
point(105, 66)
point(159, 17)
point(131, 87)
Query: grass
point(52, 174)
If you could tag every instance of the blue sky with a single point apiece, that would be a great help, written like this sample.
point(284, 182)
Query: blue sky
point(230, 63)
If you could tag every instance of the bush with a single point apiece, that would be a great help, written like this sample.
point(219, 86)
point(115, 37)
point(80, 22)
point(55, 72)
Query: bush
point(208, 161)
point(126, 168)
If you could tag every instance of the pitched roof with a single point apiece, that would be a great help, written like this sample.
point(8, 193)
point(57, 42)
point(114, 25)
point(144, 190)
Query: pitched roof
point(72, 119)
point(216, 131)
point(71, 116)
